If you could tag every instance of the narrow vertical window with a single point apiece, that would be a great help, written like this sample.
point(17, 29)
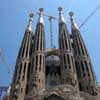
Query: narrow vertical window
point(87, 68)
point(28, 72)
point(36, 60)
point(40, 63)
point(23, 50)
point(24, 70)
point(82, 66)
point(20, 68)
point(68, 58)
point(64, 59)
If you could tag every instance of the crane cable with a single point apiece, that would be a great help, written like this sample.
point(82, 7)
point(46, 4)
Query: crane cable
point(89, 16)
point(4, 61)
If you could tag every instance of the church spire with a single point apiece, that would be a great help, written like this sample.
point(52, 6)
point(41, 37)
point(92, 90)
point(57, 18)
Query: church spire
point(38, 58)
point(66, 54)
point(84, 66)
point(40, 19)
point(29, 27)
point(23, 63)
point(61, 17)
point(73, 23)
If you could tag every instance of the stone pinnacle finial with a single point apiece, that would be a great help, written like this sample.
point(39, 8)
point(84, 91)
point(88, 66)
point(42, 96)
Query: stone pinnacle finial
point(31, 15)
point(30, 22)
point(61, 18)
point(41, 16)
point(73, 23)
point(71, 14)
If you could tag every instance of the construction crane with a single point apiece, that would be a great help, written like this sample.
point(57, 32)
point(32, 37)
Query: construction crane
point(51, 30)
point(4, 88)
point(4, 61)
point(91, 14)
point(50, 18)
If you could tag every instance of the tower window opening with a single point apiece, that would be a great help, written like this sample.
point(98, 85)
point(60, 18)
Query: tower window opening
point(26, 91)
point(24, 70)
point(80, 41)
point(70, 43)
point(21, 90)
point(23, 77)
point(80, 86)
point(66, 45)
point(30, 50)
point(43, 63)
point(78, 69)
point(87, 68)
point(23, 50)
point(40, 63)
point(37, 40)
point(62, 44)
point(41, 41)
point(41, 44)
point(28, 72)
point(68, 58)
point(19, 77)
point(78, 48)
point(20, 68)
point(82, 49)
point(82, 66)
point(73, 63)
point(27, 49)
point(87, 88)
point(36, 60)
point(65, 60)
point(39, 80)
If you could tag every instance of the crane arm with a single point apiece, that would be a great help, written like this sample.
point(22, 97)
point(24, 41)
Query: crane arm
point(4, 61)
point(91, 14)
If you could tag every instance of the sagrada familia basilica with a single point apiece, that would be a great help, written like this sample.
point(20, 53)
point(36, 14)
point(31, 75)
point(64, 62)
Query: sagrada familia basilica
point(63, 73)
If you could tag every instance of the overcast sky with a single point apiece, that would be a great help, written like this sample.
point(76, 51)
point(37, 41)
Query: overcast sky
point(14, 18)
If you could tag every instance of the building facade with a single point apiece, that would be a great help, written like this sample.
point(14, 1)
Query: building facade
point(65, 73)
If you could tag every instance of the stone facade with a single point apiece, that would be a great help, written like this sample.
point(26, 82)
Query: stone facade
point(65, 73)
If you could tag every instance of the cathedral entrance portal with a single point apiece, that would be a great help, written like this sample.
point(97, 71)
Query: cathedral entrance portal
point(54, 97)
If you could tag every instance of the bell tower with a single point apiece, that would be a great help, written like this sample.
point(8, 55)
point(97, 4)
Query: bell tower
point(85, 73)
point(66, 54)
point(23, 64)
point(38, 59)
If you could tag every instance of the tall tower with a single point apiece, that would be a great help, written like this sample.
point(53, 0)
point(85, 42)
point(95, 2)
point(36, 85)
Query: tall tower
point(85, 72)
point(67, 64)
point(63, 73)
point(23, 64)
point(38, 59)
point(66, 55)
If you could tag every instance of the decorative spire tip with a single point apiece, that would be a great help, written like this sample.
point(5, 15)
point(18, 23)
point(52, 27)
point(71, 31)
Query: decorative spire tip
point(29, 27)
point(71, 14)
point(60, 9)
point(41, 9)
point(31, 15)
point(61, 18)
point(41, 16)
point(74, 25)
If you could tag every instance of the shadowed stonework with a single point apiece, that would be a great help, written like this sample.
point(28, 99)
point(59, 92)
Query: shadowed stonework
point(65, 73)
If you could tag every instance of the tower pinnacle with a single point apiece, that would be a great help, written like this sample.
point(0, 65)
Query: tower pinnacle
point(40, 20)
point(61, 18)
point(73, 23)
point(84, 66)
point(29, 27)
